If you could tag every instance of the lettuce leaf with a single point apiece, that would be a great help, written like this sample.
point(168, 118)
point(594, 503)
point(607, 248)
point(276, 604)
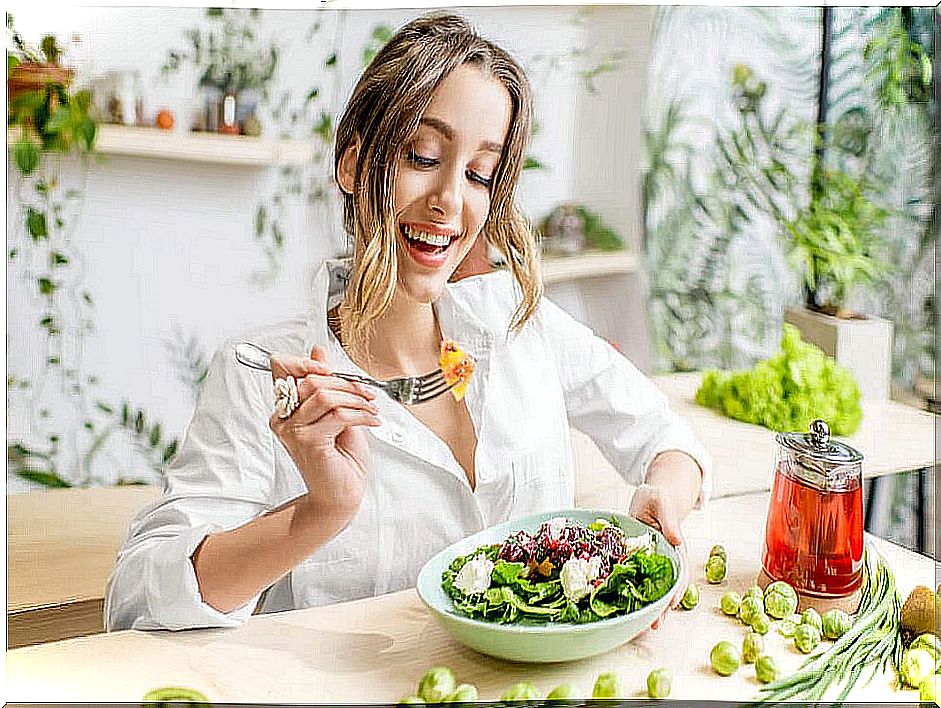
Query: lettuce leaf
point(788, 391)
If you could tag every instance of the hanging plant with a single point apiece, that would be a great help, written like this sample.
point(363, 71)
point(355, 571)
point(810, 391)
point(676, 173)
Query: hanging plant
point(51, 121)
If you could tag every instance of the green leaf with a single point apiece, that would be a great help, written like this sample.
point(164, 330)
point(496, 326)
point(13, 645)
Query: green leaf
point(169, 451)
point(139, 423)
point(26, 156)
point(47, 479)
point(331, 60)
point(261, 218)
point(59, 120)
point(104, 407)
point(531, 163)
point(87, 131)
point(46, 286)
point(324, 127)
point(58, 259)
point(155, 435)
point(36, 224)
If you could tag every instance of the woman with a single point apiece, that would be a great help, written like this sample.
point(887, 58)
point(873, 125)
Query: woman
point(351, 492)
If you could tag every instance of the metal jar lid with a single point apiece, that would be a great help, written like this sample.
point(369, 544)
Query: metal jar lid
point(817, 445)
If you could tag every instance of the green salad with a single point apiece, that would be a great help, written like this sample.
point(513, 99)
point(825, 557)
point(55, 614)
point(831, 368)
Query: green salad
point(565, 572)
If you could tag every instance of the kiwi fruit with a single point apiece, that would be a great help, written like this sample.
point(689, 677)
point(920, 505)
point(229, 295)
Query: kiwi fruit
point(918, 612)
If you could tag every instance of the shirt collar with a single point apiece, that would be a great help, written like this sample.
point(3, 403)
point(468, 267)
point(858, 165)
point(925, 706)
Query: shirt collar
point(458, 321)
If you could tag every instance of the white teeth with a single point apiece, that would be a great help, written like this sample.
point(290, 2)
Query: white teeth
point(433, 239)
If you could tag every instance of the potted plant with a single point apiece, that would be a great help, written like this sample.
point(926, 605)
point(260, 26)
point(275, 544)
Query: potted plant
point(49, 117)
point(835, 244)
point(29, 69)
point(233, 68)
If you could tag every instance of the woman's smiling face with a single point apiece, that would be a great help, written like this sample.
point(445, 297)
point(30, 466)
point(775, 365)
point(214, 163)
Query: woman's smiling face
point(442, 192)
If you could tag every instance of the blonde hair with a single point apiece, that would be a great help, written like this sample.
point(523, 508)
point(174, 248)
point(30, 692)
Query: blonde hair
point(383, 114)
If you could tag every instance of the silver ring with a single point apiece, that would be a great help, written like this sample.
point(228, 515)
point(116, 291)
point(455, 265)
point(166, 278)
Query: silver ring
point(285, 396)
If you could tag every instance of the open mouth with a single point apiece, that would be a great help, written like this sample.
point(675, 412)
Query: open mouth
point(427, 241)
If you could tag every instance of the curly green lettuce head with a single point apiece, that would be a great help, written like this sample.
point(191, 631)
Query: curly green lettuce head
point(788, 391)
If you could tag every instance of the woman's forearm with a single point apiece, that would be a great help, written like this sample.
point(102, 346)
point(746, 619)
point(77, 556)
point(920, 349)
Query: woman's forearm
point(679, 477)
point(233, 566)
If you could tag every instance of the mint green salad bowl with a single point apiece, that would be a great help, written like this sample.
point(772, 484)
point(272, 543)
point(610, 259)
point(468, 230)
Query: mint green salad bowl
point(540, 643)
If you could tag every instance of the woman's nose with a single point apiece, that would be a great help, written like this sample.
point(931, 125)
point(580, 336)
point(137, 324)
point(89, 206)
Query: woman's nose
point(446, 196)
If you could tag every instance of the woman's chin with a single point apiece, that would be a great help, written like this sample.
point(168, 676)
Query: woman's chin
point(424, 289)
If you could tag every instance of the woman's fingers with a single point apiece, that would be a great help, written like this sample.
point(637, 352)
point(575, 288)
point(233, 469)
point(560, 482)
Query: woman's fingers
point(284, 365)
point(323, 400)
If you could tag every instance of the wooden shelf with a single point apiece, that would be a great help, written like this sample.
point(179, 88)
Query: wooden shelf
point(236, 150)
point(588, 265)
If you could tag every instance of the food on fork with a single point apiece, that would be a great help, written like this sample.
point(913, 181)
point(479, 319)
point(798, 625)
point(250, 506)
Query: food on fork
point(457, 367)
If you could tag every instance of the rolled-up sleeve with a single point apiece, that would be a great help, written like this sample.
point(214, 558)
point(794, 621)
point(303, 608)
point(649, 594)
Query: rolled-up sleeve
point(229, 470)
point(615, 404)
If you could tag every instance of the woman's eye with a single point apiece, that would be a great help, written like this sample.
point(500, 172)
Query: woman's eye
point(421, 160)
point(480, 179)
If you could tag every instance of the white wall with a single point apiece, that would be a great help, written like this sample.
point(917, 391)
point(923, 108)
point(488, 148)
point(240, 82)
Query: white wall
point(169, 246)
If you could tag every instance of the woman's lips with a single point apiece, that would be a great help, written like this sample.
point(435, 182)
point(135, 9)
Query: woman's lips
point(426, 254)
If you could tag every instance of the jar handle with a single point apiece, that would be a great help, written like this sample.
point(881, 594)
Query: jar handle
point(820, 434)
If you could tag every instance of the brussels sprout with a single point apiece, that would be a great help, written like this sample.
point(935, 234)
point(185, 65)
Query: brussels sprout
point(523, 691)
point(752, 646)
point(465, 693)
point(608, 685)
point(751, 608)
point(928, 641)
point(718, 550)
point(437, 684)
point(806, 637)
point(780, 599)
point(767, 669)
point(928, 689)
point(715, 569)
point(755, 591)
point(917, 665)
point(835, 623)
point(725, 658)
point(411, 701)
point(786, 628)
point(690, 597)
point(659, 683)
point(731, 602)
point(562, 692)
point(811, 616)
point(761, 623)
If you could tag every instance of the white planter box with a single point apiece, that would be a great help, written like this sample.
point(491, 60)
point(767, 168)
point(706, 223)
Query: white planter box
point(862, 346)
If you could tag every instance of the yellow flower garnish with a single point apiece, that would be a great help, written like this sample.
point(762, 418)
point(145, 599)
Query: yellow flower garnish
point(457, 366)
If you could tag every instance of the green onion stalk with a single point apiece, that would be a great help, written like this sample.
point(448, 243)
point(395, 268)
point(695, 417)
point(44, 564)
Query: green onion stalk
point(874, 642)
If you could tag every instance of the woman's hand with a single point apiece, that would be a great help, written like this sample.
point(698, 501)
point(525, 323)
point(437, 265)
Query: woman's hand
point(652, 506)
point(674, 481)
point(324, 437)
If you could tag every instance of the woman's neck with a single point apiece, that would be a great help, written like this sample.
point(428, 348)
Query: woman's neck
point(405, 341)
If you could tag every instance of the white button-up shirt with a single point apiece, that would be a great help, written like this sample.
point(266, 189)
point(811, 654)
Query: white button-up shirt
point(525, 393)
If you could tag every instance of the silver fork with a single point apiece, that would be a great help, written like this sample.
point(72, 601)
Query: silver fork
point(409, 390)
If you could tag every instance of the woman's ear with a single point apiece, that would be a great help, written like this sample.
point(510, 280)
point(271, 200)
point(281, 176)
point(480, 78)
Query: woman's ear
point(346, 168)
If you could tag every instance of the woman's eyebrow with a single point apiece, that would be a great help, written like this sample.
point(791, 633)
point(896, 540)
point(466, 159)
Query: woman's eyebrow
point(448, 132)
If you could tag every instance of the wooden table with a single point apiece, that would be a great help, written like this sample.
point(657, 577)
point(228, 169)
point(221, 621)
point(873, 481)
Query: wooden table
point(375, 650)
point(61, 546)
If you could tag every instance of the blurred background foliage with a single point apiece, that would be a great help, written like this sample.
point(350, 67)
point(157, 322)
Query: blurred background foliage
point(732, 170)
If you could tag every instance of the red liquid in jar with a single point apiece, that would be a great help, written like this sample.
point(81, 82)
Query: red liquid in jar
point(814, 537)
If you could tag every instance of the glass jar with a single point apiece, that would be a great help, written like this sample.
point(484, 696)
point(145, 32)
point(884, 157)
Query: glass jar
point(814, 532)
